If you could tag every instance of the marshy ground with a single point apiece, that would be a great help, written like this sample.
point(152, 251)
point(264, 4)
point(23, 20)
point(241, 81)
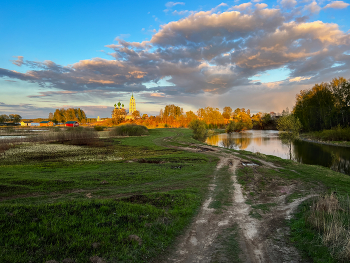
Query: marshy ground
point(158, 198)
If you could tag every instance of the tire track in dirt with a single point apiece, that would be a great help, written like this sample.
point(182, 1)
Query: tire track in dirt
point(260, 241)
point(195, 244)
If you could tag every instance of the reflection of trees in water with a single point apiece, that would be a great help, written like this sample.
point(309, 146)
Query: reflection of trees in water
point(233, 142)
point(213, 140)
point(336, 158)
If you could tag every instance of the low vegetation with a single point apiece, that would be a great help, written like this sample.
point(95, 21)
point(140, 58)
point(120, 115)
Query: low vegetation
point(199, 129)
point(127, 209)
point(320, 228)
point(129, 130)
point(335, 134)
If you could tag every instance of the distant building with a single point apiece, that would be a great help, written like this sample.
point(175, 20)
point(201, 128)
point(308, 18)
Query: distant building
point(132, 108)
point(132, 104)
point(26, 123)
point(72, 124)
point(46, 123)
point(35, 124)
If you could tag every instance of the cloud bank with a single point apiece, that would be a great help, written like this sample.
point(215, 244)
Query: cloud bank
point(209, 52)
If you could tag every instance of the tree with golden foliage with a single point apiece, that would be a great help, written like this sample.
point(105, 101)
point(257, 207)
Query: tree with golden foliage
point(211, 116)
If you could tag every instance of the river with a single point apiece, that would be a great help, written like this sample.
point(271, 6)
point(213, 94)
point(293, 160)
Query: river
point(268, 142)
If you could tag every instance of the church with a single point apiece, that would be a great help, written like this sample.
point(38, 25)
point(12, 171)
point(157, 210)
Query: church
point(119, 110)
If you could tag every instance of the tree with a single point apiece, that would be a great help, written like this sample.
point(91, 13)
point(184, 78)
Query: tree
point(211, 116)
point(289, 126)
point(136, 114)
point(227, 113)
point(17, 118)
point(4, 118)
point(71, 114)
point(190, 116)
point(199, 129)
point(241, 121)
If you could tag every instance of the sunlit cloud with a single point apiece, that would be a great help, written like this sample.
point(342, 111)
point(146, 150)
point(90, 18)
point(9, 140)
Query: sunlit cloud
point(337, 5)
point(205, 53)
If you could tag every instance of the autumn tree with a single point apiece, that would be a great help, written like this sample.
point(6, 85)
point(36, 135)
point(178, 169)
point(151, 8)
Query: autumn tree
point(4, 118)
point(136, 114)
point(240, 121)
point(15, 118)
point(227, 113)
point(211, 116)
point(190, 116)
point(71, 114)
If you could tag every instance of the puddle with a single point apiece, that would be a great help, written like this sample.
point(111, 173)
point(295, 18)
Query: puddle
point(249, 164)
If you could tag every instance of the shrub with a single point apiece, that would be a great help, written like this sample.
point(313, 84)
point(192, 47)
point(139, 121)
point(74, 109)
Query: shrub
point(335, 134)
point(129, 130)
point(238, 126)
point(200, 130)
point(99, 128)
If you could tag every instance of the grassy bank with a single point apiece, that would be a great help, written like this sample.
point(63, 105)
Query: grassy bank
point(121, 199)
point(337, 136)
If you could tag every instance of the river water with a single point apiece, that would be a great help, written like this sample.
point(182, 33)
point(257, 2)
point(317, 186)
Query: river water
point(268, 142)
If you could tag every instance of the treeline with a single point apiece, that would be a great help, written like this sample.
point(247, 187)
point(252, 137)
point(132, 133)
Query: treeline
point(324, 106)
point(14, 118)
point(71, 114)
point(174, 116)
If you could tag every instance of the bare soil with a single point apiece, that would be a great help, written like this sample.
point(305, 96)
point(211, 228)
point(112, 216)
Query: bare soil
point(262, 239)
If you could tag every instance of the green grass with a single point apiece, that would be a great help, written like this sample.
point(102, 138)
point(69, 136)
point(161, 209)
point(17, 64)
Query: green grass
point(222, 194)
point(55, 209)
point(67, 230)
point(307, 239)
point(227, 246)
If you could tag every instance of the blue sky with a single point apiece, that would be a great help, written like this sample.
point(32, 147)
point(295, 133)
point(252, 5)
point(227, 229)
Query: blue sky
point(91, 54)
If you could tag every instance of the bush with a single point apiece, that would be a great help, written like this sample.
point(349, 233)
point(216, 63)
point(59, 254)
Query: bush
point(335, 134)
point(129, 130)
point(238, 126)
point(199, 128)
point(99, 128)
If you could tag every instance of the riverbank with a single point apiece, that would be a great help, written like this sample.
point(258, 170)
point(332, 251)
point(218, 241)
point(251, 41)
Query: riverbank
point(152, 198)
point(309, 138)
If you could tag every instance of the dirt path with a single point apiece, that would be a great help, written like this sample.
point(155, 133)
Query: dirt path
point(260, 240)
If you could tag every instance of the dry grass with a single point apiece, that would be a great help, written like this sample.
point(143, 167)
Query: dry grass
point(330, 215)
point(75, 136)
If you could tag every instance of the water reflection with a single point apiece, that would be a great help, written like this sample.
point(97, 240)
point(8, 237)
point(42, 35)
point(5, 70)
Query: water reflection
point(267, 142)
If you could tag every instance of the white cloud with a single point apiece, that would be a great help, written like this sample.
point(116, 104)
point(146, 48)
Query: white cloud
point(172, 4)
point(288, 3)
point(337, 5)
point(313, 8)
point(261, 6)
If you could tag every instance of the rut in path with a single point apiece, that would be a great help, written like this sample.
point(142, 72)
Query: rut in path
point(198, 243)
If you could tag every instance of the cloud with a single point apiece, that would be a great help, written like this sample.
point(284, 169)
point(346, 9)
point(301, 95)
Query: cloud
point(337, 5)
point(18, 61)
point(206, 53)
point(261, 6)
point(312, 8)
point(241, 7)
point(172, 4)
point(288, 3)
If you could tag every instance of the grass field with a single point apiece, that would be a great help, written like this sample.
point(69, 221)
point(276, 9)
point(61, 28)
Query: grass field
point(123, 199)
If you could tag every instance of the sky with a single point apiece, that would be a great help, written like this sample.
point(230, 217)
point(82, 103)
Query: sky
point(255, 55)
